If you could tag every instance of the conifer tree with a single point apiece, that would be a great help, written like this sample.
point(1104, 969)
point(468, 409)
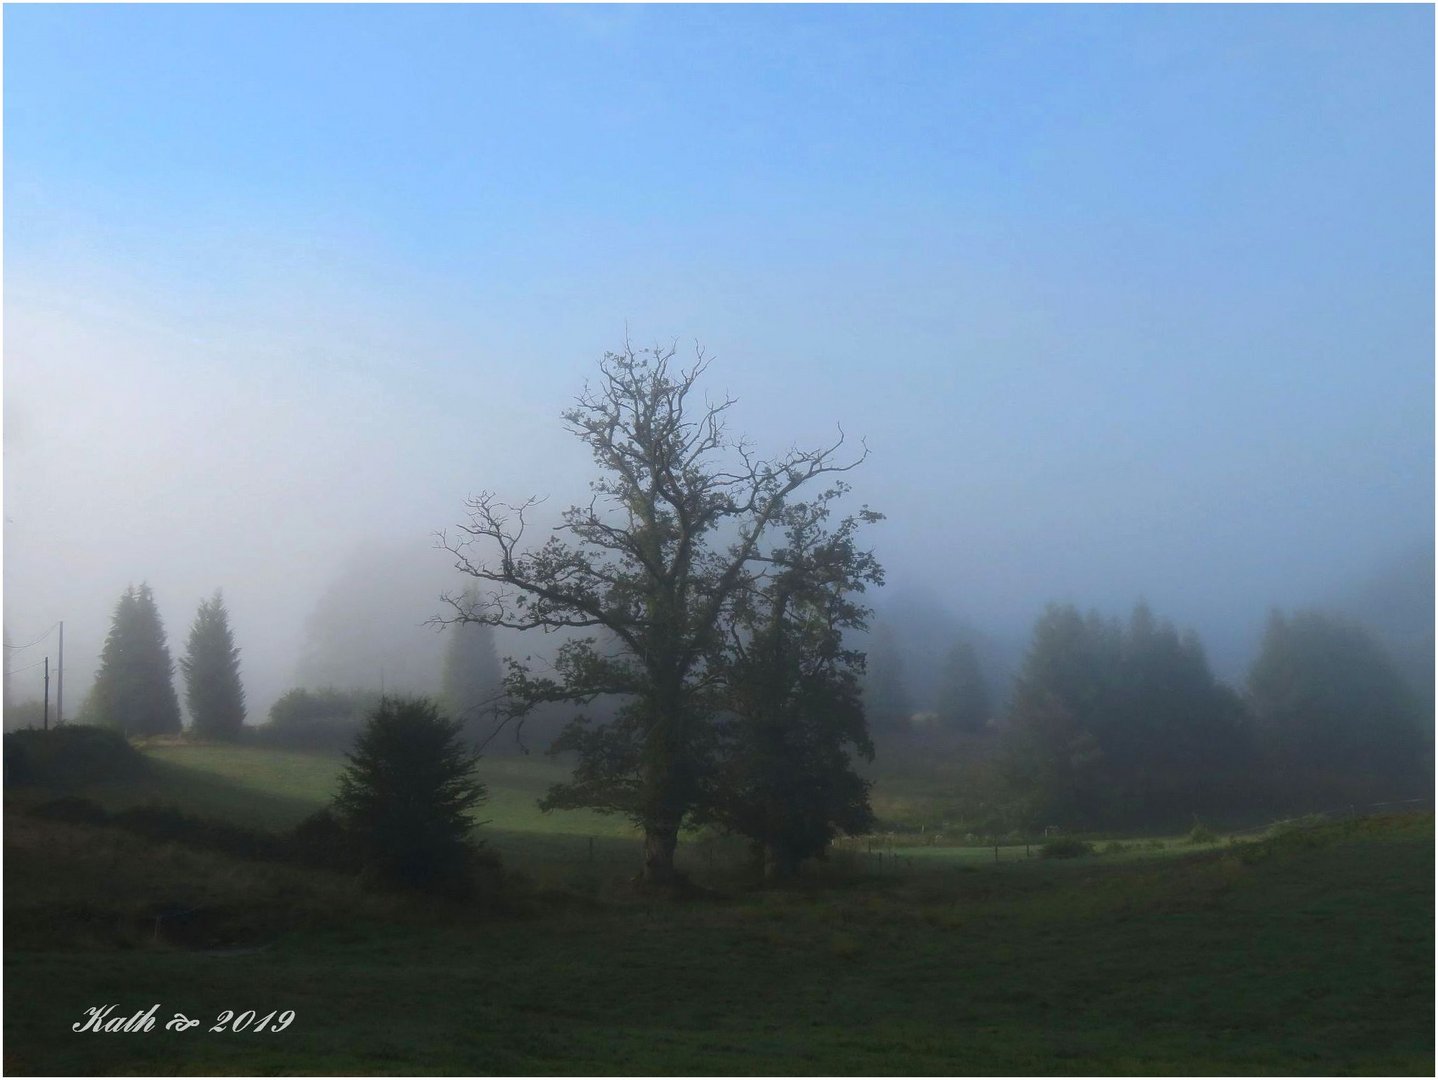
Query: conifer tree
point(1333, 714)
point(212, 674)
point(886, 692)
point(134, 689)
point(473, 682)
point(1113, 724)
point(964, 703)
point(409, 793)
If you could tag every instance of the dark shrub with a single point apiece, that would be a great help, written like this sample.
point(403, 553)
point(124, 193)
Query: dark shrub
point(1067, 847)
point(68, 755)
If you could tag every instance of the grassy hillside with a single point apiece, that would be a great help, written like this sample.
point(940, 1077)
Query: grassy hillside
point(274, 789)
point(1305, 952)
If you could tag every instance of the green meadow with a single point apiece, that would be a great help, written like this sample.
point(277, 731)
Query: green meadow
point(1304, 950)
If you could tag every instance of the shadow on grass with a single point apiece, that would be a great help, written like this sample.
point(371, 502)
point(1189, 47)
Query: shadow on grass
point(194, 791)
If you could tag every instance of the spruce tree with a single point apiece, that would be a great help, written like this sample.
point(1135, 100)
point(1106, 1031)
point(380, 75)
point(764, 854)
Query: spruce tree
point(964, 703)
point(1113, 724)
point(134, 689)
point(1335, 718)
point(409, 793)
point(212, 674)
point(473, 682)
point(885, 689)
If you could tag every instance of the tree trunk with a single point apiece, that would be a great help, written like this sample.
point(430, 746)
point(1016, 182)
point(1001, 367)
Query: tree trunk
point(665, 784)
point(779, 864)
point(757, 860)
point(659, 843)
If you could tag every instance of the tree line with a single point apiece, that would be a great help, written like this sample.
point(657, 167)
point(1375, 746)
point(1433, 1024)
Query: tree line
point(712, 601)
point(1110, 723)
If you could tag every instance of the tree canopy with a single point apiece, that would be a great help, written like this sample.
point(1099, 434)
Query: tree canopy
point(784, 776)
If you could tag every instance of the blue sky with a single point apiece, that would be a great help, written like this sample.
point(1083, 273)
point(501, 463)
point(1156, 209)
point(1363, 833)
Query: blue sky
point(1127, 300)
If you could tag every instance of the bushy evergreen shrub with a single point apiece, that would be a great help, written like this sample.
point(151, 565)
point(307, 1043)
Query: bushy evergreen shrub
point(408, 795)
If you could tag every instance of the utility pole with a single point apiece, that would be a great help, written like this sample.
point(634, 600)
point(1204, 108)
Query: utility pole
point(60, 680)
point(46, 714)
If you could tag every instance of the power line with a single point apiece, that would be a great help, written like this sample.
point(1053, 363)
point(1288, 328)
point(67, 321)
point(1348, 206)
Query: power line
point(27, 667)
point(37, 641)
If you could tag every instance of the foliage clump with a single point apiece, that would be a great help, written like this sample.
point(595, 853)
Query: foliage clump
point(783, 775)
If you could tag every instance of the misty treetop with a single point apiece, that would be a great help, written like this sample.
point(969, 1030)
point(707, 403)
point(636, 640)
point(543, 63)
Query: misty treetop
point(367, 627)
point(473, 680)
point(887, 700)
point(211, 665)
point(964, 704)
point(1335, 716)
point(1114, 724)
point(134, 688)
point(676, 533)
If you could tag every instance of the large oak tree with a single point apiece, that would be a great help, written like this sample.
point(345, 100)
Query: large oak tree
point(652, 564)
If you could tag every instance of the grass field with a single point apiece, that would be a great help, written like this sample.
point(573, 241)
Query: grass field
point(274, 789)
point(1307, 952)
